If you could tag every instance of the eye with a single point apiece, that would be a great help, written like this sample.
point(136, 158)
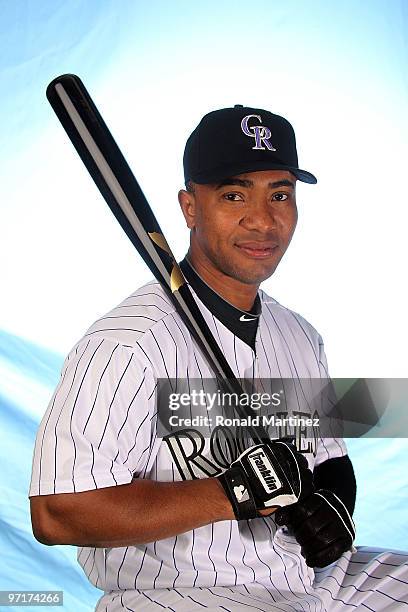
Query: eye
point(280, 197)
point(233, 197)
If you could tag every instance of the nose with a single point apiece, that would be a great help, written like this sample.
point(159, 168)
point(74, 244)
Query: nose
point(260, 216)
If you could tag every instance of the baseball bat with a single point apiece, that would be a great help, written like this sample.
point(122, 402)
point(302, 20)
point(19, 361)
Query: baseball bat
point(108, 168)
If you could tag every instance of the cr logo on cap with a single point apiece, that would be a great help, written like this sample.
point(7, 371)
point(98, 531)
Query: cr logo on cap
point(261, 133)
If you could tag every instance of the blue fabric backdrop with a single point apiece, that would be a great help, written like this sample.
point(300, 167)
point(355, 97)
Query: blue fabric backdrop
point(331, 65)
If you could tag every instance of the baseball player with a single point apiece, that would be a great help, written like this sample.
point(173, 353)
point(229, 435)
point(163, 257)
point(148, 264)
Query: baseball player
point(186, 520)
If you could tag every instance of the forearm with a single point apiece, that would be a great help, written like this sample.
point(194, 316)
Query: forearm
point(127, 515)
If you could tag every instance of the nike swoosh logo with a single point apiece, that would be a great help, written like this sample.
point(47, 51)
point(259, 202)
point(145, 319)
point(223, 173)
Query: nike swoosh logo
point(244, 318)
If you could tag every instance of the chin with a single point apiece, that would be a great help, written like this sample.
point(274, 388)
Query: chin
point(256, 273)
point(254, 277)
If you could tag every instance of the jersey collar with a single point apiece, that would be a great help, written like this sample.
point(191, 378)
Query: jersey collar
point(242, 323)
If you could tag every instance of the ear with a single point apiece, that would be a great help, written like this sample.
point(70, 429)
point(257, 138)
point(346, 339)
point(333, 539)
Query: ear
point(188, 206)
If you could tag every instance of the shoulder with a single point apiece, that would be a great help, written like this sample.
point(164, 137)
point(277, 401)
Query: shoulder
point(272, 310)
point(130, 320)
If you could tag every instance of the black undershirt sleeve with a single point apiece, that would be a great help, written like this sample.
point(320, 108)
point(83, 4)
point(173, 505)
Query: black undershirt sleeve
point(337, 475)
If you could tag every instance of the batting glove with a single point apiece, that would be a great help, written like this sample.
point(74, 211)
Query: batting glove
point(321, 525)
point(264, 476)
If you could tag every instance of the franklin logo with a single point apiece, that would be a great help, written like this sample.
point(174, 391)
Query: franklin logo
point(261, 133)
point(267, 475)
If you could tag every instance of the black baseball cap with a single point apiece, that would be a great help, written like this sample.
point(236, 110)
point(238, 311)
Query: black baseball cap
point(241, 139)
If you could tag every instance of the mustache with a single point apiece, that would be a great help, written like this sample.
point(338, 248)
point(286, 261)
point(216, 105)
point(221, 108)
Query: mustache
point(270, 239)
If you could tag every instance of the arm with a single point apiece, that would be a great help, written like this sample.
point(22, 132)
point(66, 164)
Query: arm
point(145, 511)
point(125, 515)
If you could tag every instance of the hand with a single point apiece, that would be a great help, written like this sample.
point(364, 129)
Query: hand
point(321, 525)
point(266, 476)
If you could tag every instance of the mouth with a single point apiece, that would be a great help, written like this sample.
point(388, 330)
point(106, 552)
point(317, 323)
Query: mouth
point(257, 250)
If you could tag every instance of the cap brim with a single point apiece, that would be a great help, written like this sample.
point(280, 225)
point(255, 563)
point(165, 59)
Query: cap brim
point(229, 170)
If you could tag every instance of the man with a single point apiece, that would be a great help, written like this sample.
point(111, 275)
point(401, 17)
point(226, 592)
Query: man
point(160, 521)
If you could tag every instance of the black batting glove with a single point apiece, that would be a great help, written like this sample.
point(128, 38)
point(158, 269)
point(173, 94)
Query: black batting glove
point(321, 525)
point(272, 474)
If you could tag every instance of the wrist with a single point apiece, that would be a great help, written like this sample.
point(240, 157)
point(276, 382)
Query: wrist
point(222, 505)
point(237, 489)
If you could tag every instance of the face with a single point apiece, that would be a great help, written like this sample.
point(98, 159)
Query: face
point(242, 226)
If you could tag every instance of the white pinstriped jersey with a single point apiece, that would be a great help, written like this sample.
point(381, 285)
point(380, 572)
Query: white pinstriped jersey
point(99, 431)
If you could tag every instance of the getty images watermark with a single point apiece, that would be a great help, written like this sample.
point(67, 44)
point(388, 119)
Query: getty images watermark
point(204, 406)
point(218, 404)
point(303, 407)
